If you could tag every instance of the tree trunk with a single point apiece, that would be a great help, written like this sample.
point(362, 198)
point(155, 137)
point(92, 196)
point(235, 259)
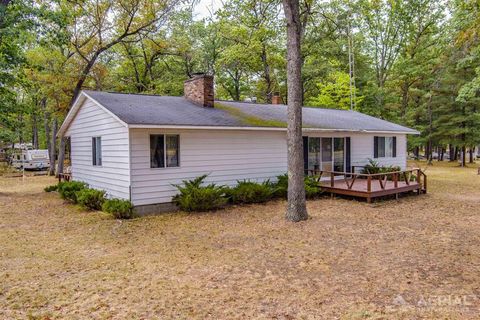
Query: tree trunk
point(296, 209)
point(34, 131)
point(266, 75)
point(430, 152)
point(51, 171)
point(61, 157)
point(404, 89)
point(416, 152)
point(451, 152)
point(455, 154)
point(20, 129)
point(46, 120)
point(471, 154)
point(464, 153)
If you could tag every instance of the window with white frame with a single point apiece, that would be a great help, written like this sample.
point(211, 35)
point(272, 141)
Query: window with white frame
point(164, 150)
point(385, 147)
point(97, 151)
point(326, 153)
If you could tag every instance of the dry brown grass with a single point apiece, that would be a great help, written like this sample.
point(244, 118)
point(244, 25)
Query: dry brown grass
point(349, 261)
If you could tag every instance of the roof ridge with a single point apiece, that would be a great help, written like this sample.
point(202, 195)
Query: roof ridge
point(133, 94)
point(284, 105)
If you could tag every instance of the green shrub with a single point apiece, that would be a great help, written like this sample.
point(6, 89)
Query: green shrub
point(195, 197)
point(121, 209)
point(51, 188)
point(91, 199)
point(251, 192)
point(68, 189)
point(282, 186)
point(311, 186)
point(373, 167)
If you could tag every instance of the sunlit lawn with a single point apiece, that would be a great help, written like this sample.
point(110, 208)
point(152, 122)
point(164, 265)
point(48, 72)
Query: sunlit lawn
point(351, 260)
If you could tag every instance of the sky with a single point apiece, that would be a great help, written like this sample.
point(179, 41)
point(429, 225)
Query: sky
point(203, 8)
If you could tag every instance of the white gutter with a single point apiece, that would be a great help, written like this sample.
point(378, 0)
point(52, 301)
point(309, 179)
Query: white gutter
point(186, 127)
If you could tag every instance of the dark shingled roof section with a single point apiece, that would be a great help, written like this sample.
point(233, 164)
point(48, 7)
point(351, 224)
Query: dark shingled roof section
point(165, 110)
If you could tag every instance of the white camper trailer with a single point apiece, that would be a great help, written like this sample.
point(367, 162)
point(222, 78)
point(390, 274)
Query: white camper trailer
point(31, 159)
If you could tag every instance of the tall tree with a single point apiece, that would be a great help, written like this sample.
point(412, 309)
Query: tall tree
point(99, 25)
point(296, 208)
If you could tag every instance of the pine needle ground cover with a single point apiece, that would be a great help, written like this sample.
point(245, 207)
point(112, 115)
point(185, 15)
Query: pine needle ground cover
point(418, 257)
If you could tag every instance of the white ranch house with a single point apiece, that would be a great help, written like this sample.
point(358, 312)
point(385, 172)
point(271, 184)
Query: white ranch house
point(136, 147)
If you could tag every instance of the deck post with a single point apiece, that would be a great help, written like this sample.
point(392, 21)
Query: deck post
point(395, 180)
point(332, 179)
point(369, 183)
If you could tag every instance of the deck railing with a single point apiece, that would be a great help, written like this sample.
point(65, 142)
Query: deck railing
point(407, 176)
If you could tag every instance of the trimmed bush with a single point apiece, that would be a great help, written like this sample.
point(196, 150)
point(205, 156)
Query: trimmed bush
point(91, 199)
point(251, 192)
point(195, 197)
point(311, 186)
point(51, 188)
point(121, 209)
point(68, 189)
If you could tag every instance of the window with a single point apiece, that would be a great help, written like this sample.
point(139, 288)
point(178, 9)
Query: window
point(327, 154)
point(385, 147)
point(97, 151)
point(164, 150)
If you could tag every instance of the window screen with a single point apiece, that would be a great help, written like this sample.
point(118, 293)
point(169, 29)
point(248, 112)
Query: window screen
point(164, 151)
point(157, 151)
point(172, 153)
point(97, 151)
point(385, 147)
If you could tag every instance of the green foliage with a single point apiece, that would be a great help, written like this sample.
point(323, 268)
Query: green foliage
point(68, 189)
point(51, 188)
point(334, 92)
point(121, 209)
point(91, 199)
point(373, 167)
point(251, 192)
point(415, 62)
point(312, 189)
point(195, 197)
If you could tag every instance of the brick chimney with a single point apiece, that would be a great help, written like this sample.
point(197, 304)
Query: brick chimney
point(199, 90)
point(276, 99)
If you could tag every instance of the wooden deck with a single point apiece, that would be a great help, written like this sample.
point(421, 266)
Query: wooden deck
point(371, 186)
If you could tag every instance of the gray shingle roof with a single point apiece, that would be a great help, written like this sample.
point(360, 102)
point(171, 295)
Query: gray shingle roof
point(135, 109)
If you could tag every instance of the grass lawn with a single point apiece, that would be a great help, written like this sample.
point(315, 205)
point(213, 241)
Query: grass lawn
point(351, 260)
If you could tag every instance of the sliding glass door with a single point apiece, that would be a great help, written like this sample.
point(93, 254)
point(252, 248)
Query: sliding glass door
point(326, 154)
point(339, 154)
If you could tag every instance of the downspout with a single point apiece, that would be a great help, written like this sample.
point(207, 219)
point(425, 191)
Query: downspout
point(129, 164)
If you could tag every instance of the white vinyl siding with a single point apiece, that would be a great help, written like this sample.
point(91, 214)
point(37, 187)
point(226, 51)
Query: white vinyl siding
point(363, 149)
point(225, 155)
point(113, 175)
point(361, 146)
